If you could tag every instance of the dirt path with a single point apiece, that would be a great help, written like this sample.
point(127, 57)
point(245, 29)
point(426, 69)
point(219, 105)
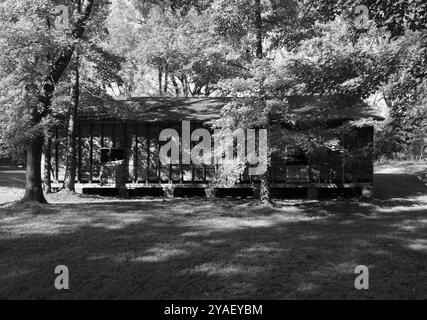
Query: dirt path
point(400, 181)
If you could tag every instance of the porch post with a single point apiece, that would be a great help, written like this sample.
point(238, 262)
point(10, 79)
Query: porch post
point(91, 153)
point(135, 156)
point(56, 155)
point(80, 153)
point(159, 167)
point(147, 177)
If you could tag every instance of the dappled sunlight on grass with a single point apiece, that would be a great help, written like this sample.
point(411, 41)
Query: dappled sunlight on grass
point(308, 288)
point(411, 225)
point(399, 209)
point(10, 194)
point(214, 249)
point(63, 219)
point(224, 270)
point(15, 273)
point(236, 249)
point(153, 255)
point(225, 224)
point(419, 245)
point(159, 255)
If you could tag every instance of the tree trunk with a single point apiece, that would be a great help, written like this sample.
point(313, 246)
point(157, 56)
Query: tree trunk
point(258, 27)
point(175, 84)
point(265, 189)
point(160, 69)
point(70, 176)
point(165, 89)
point(265, 192)
point(197, 91)
point(184, 83)
point(33, 188)
point(48, 165)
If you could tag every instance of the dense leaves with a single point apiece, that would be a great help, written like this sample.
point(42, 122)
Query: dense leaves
point(259, 50)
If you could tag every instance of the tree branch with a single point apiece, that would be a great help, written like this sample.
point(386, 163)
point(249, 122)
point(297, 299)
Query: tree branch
point(60, 64)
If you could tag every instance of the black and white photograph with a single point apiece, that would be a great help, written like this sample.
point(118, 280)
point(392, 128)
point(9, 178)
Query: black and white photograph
point(213, 158)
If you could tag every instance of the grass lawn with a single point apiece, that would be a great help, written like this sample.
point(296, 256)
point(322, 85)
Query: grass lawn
point(233, 249)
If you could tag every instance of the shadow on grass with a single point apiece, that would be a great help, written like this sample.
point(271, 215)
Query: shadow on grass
point(198, 249)
point(398, 186)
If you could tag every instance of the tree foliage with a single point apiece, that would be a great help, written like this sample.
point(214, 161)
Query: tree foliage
point(259, 50)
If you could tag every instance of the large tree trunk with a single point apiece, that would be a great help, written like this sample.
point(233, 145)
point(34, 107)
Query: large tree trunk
point(265, 190)
point(48, 165)
point(42, 109)
point(70, 176)
point(33, 187)
point(258, 27)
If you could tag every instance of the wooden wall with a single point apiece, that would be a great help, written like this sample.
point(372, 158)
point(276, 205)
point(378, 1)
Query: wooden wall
point(141, 145)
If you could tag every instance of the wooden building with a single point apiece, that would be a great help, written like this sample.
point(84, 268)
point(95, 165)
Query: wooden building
point(118, 147)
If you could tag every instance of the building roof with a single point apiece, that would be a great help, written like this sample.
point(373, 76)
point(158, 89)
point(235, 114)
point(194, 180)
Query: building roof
point(166, 109)
point(338, 107)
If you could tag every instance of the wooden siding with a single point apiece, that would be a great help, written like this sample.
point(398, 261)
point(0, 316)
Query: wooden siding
point(143, 167)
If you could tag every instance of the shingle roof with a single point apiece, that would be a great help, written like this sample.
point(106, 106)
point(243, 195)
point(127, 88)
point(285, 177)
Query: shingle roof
point(155, 109)
point(337, 107)
point(166, 109)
